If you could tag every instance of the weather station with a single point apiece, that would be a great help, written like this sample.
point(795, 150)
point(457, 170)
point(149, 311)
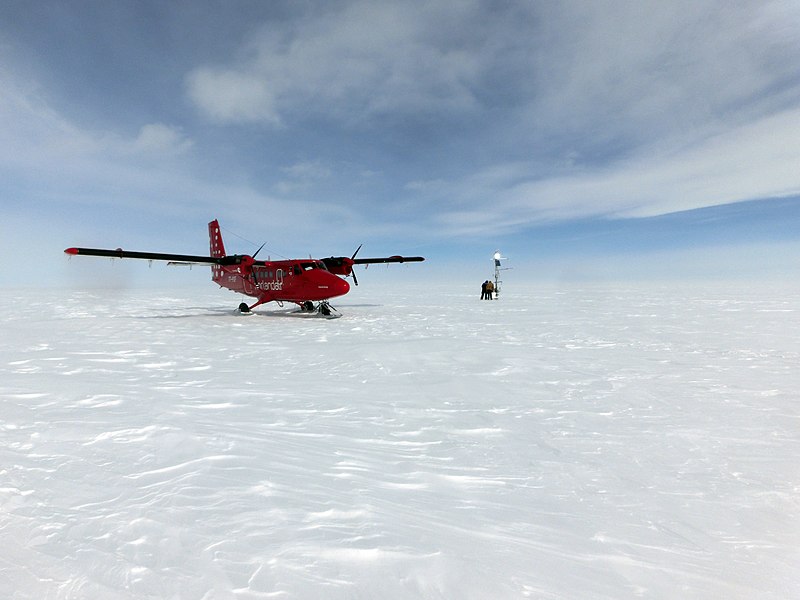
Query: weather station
point(497, 257)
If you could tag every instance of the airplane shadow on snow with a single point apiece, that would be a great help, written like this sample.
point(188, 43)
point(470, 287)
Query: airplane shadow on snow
point(233, 312)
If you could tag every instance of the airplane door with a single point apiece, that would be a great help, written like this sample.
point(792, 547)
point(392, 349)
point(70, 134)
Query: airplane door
point(279, 277)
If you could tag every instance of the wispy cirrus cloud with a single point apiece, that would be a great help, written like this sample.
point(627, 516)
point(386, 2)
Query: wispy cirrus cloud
point(423, 121)
point(35, 134)
point(53, 165)
point(756, 161)
point(603, 109)
point(349, 61)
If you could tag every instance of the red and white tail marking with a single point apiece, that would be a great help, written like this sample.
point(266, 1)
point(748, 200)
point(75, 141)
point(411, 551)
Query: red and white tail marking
point(215, 240)
point(216, 248)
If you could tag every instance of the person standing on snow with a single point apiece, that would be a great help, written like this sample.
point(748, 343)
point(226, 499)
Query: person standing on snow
point(483, 289)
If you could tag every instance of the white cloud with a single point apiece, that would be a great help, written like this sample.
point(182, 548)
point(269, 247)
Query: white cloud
point(31, 132)
point(306, 170)
point(53, 167)
point(232, 96)
point(34, 135)
point(757, 160)
point(367, 59)
point(632, 109)
point(551, 111)
point(301, 177)
point(47, 158)
point(642, 71)
point(604, 69)
point(651, 108)
point(157, 138)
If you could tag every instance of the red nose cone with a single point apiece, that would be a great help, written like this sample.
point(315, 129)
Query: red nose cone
point(341, 287)
point(327, 284)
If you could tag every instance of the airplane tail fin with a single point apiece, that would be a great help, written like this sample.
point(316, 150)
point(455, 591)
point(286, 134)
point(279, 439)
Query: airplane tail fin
point(217, 249)
point(215, 240)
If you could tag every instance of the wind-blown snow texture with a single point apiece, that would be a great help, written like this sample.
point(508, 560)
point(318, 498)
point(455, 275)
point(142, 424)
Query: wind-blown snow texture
point(597, 442)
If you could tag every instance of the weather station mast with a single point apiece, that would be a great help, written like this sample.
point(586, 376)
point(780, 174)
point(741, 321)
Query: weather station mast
point(497, 257)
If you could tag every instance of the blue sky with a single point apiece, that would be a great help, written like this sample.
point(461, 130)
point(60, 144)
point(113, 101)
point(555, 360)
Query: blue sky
point(586, 140)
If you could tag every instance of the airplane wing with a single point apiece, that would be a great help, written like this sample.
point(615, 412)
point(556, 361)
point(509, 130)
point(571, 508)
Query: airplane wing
point(173, 258)
point(388, 259)
point(343, 265)
point(339, 265)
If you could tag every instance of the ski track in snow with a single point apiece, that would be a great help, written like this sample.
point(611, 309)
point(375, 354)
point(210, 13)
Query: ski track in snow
point(562, 442)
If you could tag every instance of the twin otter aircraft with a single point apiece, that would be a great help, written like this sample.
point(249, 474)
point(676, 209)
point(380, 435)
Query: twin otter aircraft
point(302, 281)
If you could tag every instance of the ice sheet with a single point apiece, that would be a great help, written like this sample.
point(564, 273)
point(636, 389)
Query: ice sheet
point(562, 442)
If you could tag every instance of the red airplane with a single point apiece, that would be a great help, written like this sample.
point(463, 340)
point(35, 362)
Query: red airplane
point(301, 281)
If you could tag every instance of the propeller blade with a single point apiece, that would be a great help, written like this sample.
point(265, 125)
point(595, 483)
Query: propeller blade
point(352, 270)
point(259, 249)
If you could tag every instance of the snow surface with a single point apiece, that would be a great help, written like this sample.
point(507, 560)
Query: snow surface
point(562, 442)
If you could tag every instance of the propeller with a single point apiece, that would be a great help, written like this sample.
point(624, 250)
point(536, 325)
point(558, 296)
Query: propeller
point(259, 249)
point(352, 270)
point(256, 262)
point(343, 265)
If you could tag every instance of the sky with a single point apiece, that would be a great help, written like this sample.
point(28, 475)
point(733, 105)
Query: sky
point(599, 140)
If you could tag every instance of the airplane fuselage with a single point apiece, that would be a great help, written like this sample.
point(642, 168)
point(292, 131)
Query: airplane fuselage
point(283, 281)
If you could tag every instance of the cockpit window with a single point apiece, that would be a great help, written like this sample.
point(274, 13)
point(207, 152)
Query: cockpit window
point(310, 265)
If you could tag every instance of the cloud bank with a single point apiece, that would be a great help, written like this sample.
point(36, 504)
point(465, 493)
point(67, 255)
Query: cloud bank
point(424, 123)
point(611, 109)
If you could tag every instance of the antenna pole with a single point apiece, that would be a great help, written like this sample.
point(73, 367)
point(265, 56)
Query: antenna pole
point(497, 268)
